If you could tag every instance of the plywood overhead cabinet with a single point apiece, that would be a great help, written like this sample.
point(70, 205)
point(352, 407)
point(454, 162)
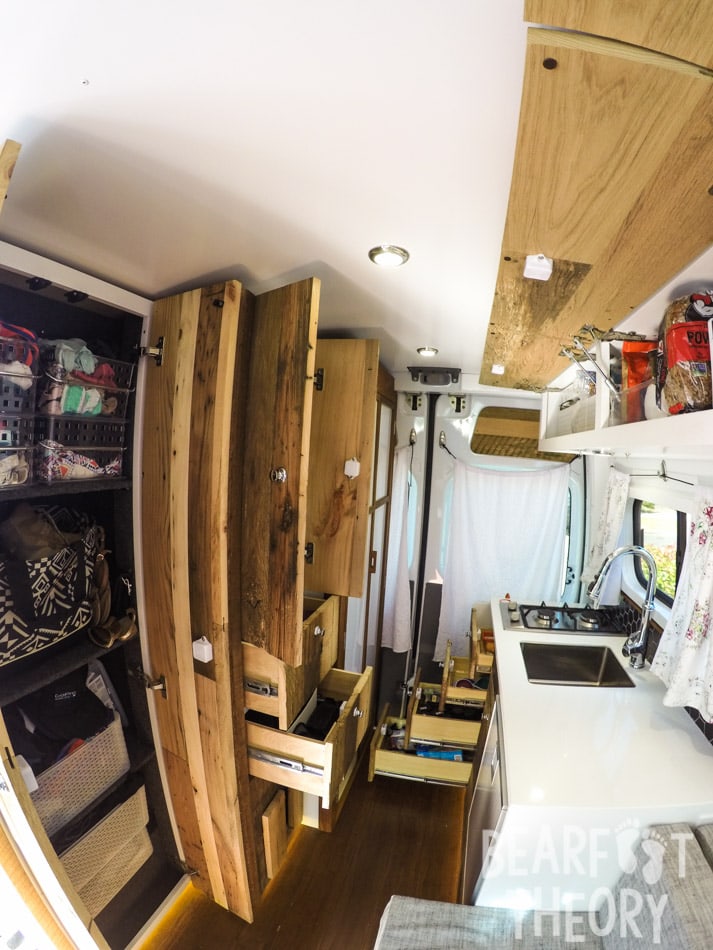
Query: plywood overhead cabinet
point(611, 179)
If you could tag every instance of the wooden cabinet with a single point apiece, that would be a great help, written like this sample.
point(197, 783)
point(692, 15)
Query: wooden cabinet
point(343, 426)
point(610, 179)
point(316, 766)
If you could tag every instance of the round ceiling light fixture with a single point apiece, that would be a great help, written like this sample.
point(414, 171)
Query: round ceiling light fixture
point(427, 351)
point(388, 255)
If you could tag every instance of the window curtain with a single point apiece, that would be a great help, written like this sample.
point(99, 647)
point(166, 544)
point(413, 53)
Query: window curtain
point(506, 535)
point(608, 530)
point(684, 658)
point(396, 623)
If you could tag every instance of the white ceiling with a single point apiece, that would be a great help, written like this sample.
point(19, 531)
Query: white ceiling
point(167, 143)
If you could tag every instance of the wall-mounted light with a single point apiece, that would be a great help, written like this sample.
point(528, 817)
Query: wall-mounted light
point(538, 266)
point(388, 255)
point(427, 351)
point(497, 369)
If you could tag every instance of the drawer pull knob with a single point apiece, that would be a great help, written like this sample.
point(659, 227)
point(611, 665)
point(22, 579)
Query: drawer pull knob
point(358, 713)
point(319, 631)
point(278, 475)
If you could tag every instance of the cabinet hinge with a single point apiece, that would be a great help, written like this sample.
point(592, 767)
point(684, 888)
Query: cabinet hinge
point(309, 552)
point(319, 379)
point(155, 352)
point(157, 685)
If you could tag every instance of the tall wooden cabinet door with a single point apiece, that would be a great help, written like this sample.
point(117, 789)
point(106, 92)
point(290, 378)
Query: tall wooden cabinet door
point(8, 157)
point(186, 521)
point(343, 425)
point(278, 405)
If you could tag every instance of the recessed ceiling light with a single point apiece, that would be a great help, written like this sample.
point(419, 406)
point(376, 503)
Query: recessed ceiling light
point(388, 255)
point(497, 369)
point(427, 351)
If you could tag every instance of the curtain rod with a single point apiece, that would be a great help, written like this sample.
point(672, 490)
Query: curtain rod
point(663, 475)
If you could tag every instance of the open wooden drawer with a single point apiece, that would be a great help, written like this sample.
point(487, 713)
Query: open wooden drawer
point(456, 721)
point(276, 689)
point(309, 765)
point(386, 759)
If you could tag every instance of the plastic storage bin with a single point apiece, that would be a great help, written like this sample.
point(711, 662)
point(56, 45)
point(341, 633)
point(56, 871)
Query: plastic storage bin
point(103, 392)
point(72, 784)
point(109, 854)
point(56, 462)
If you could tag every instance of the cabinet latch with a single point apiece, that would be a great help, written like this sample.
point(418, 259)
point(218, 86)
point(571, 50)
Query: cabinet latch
point(319, 379)
point(155, 352)
point(157, 685)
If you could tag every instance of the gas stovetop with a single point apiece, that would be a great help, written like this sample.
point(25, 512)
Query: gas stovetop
point(615, 619)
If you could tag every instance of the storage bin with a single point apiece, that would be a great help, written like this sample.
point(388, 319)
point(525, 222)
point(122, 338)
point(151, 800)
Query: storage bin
point(72, 784)
point(18, 377)
point(56, 462)
point(15, 467)
point(81, 433)
point(102, 393)
point(110, 853)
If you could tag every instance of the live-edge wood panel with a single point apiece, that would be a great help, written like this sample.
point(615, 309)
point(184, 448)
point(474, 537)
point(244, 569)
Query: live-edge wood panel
point(189, 400)
point(278, 415)
point(611, 180)
point(681, 29)
point(343, 424)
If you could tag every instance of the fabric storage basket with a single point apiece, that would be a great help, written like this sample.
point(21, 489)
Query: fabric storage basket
point(72, 784)
point(108, 855)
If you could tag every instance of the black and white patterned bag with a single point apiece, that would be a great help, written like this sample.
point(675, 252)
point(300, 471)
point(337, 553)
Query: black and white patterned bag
point(44, 599)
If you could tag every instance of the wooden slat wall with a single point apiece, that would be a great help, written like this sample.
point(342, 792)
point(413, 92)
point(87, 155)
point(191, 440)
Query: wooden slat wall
point(612, 171)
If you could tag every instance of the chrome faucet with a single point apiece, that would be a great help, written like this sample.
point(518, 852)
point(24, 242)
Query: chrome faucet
point(636, 643)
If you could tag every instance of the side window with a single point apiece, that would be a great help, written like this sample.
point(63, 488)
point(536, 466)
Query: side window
point(663, 532)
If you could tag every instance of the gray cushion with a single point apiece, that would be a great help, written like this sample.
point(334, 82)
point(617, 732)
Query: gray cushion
point(411, 924)
point(673, 875)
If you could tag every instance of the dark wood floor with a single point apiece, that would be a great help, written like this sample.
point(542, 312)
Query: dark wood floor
point(393, 837)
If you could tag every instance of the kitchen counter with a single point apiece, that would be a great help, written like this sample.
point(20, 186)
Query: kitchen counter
point(586, 771)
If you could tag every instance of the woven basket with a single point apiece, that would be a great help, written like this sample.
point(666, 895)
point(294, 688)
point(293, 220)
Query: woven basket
point(108, 855)
point(68, 787)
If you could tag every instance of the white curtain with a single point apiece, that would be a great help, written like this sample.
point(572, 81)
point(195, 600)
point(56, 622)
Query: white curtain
point(684, 658)
point(506, 535)
point(608, 529)
point(396, 624)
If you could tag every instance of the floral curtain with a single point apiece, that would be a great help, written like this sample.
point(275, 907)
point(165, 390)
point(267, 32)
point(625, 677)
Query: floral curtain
point(606, 535)
point(684, 659)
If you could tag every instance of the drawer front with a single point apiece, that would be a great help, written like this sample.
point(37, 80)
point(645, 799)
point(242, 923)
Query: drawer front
point(442, 727)
point(309, 765)
point(384, 760)
point(321, 632)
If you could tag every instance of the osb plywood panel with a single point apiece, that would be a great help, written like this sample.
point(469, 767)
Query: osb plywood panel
point(512, 433)
point(611, 179)
point(681, 29)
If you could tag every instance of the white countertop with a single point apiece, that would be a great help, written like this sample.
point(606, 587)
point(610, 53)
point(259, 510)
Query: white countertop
point(597, 746)
point(587, 770)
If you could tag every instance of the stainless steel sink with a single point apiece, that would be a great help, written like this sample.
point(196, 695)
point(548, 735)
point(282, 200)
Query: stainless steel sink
point(564, 665)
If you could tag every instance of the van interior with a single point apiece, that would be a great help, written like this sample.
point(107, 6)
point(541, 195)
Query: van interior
point(356, 506)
